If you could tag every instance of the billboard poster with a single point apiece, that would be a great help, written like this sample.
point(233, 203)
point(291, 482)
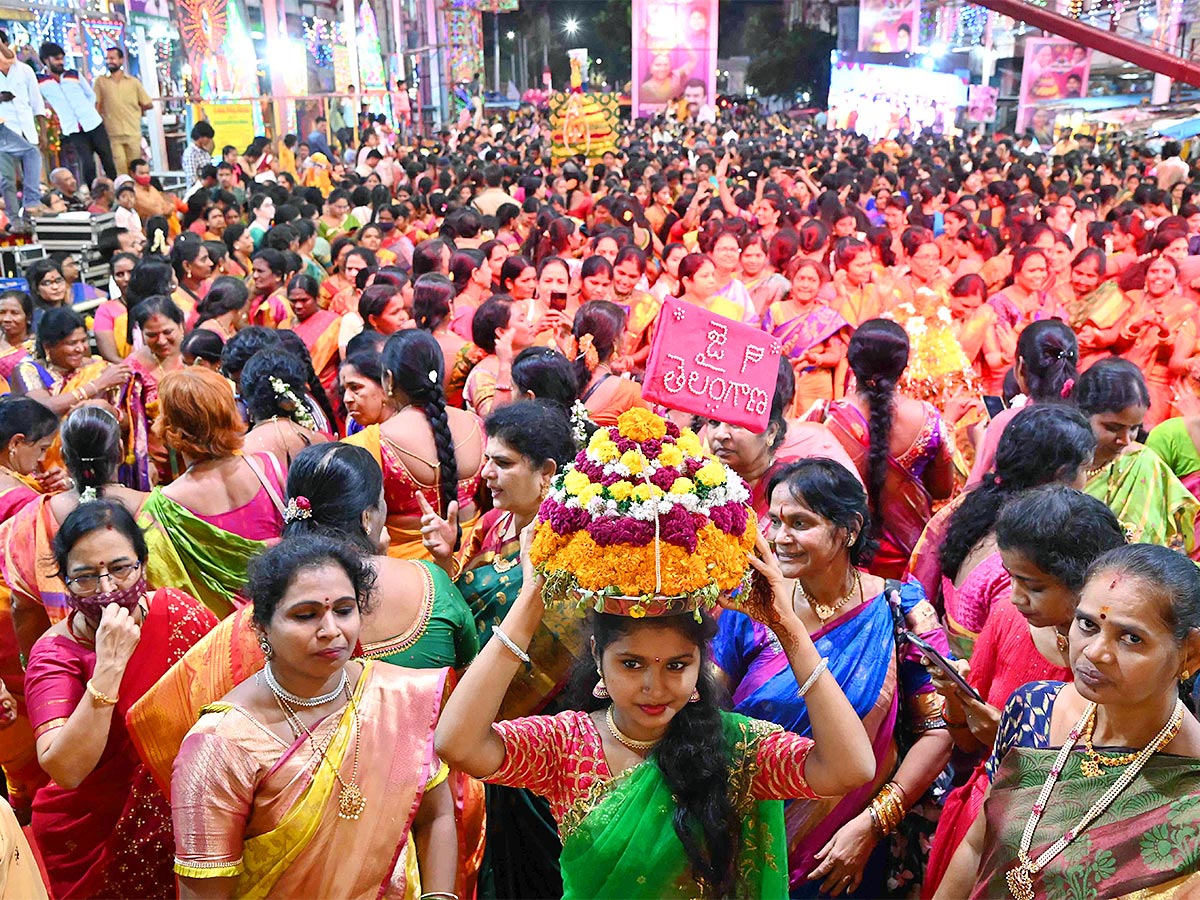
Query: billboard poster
point(888, 26)
point(1055, 69)
point(880, 101)
point(981, 103)
point(674, 56)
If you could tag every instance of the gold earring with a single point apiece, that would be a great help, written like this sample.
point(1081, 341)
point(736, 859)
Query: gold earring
point(1185, 674)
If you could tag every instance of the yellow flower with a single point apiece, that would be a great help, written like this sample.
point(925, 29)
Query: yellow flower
point(689, 443)
point(575, 481)
point(634, 461)
point(621, 490)
point(646, 492)
point(606, 451)
point(640, 425)
point(637, 612)
point(599, 436)
point(683, 486)
point(590, 493)
point(712, 474)
point(670, 455)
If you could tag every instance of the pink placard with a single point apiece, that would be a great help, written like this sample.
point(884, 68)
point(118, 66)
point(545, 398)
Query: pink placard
point(712, 366)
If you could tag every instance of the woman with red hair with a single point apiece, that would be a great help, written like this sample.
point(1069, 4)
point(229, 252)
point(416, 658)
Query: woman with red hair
point(204, 527)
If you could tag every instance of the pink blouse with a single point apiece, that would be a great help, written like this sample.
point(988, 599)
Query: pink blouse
point(969, 604)
point(562, 758)
point(260, 519)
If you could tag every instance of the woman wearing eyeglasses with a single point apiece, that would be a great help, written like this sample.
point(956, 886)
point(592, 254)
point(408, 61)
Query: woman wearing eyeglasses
point(102, 825)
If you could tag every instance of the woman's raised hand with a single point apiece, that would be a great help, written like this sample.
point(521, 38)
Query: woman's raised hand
point(768, 600)
point(116, 638)
point(438, 535)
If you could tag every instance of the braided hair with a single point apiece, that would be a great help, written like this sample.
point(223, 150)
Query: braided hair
point(878, 356)
point(414, 360)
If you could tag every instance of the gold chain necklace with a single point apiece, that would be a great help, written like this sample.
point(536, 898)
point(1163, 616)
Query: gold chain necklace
point(639, 747)
point(1020, 877)
point(824, 611)
point(1090, 767)
point(351, 801)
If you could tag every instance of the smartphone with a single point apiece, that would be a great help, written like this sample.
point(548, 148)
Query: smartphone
point(558, 300)
point(993, 405)
point(931, 653)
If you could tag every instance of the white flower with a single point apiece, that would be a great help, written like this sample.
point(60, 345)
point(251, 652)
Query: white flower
point(597, 506)
point(943, 313)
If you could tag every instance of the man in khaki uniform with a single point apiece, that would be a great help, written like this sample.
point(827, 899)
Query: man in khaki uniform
point(121, 100)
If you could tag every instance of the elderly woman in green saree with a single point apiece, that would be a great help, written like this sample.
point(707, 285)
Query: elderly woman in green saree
point(655, 790)
point(1095, 784)
point(1128, 477)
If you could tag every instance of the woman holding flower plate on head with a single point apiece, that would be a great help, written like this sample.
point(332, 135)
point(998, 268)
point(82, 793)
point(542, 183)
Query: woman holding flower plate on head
point(656, 791)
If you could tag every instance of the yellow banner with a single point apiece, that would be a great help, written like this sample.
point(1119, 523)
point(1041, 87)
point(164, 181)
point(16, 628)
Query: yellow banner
point(232, 122)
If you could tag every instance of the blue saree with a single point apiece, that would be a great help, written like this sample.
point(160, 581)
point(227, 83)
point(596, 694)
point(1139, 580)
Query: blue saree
point(861, 648)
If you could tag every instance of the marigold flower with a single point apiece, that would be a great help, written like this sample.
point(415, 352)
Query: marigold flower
point(606, 451)
point(641, 425)
point(621, 490)
point(689, 443)
point(575, 481)
point(590, 493)
point(683, 486)
point(712, 474)
point(670, 455)
point(634, 461)
point(644, 492)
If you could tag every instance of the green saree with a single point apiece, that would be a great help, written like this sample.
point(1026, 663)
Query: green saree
point(618, 837)
point(197, 558)
point(1145, 842)
point(625, 845)
point(1150, 501)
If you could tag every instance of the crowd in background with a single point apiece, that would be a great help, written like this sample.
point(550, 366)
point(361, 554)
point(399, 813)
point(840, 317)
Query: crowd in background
point(386, 354)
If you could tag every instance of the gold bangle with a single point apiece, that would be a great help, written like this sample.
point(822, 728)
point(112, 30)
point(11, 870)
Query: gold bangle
point(99, 698)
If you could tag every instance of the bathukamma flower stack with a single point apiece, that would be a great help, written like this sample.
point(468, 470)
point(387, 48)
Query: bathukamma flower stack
point(644, 522)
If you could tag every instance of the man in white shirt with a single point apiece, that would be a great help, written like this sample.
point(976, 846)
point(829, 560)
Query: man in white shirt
point(1172, 169)
point(20, 102)
point(75, 103)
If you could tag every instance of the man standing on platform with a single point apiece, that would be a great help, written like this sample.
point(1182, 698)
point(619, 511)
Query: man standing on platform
point(20, 103)
point(121, 100)
point(82, 128)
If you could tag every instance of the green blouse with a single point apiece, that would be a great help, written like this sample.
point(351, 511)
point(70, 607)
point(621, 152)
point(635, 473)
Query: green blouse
point(443, 635)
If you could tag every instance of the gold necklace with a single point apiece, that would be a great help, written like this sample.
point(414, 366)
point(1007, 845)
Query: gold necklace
point(639, 747)
point(1020, 877)
point(351, 801)
point(823, 610)
point(1090, 767)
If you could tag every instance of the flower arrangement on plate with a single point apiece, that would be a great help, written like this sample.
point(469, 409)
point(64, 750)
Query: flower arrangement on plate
point(643, 523)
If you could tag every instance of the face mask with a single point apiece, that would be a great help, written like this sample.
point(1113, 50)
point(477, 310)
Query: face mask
point(143, 180)
point(92, 606)
point(385, 227)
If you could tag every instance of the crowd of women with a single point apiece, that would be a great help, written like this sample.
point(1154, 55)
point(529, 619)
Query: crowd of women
point(266, 520)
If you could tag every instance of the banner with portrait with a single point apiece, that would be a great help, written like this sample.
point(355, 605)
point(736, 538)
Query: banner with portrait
point(674, 57)
point(1055, 69)
point(888, 26)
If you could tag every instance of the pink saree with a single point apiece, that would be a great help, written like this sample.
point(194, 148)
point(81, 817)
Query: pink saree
point(246, 806)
